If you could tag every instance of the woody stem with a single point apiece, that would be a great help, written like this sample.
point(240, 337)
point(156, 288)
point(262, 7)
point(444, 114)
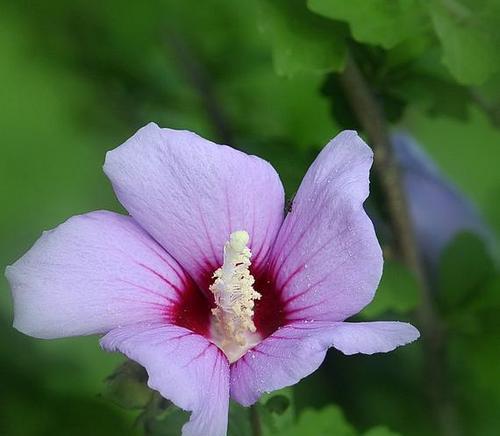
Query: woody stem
point(371, 117)
point(255, 421)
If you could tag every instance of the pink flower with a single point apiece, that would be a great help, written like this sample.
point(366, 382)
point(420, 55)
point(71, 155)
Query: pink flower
point(206, 284)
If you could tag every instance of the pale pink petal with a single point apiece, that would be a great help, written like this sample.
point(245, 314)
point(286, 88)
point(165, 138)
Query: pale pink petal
point(190, 194)
point(184, 367)
point(298, 349)
point(327, 261)
point(372, 337)
point(282, 359)
point(91, 274)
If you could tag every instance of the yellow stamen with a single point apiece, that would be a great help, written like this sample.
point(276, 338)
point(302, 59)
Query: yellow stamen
point(233, 327)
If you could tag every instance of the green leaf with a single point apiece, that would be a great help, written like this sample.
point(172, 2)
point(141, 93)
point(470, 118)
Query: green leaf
point(487, 98)
point(409, 50)
point(488, 301)
point(477, 317)
point(437, 96)
point(377, 22)
point(465, 268)
point(277, 412)
point(397, 292)
point(380, 431)
point(162, 418)
point(301, 41)
point(278, 405)
point(127, 387)
point(468, 31)
point(424, 81)
point(325, 422)
point(239, 420)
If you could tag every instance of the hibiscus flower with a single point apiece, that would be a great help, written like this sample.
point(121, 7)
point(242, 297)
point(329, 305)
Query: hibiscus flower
point(207, 284)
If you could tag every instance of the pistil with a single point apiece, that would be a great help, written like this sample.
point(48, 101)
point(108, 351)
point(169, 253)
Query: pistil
point(233, 329)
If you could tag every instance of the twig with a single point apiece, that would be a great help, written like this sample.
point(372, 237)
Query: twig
point(371, 118)
point(255, 421)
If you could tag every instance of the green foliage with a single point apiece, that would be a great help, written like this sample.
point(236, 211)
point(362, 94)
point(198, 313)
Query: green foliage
point(127, 388)
point(398, 292)
point(466, 267)
point(239, 423)
point(33, 404)
point(378, 22)
point(470, 300)
point(487, 302)
point(278, 404)
point(325, 422)
point(380, 431)
point(277, 412)
point(81, 76)
point(274, 412)
point(468, 31)
point(469, 289)
point(434, 92)
point(162, 418)
point(301, 42)
point(330, 421)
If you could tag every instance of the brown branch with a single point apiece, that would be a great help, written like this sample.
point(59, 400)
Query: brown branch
point(255, 421)
point(371, 117)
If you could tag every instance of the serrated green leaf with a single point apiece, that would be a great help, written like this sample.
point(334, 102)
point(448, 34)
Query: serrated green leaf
point(301, 41)
point(325, 422)
point(465, 267)
point(397, 292)
point(380, 431)
point(377, 22)
point(469, 36)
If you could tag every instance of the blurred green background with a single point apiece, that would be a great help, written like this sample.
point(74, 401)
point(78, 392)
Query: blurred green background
point(78, 78)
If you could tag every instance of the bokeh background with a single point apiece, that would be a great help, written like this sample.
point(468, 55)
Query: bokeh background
point(78, 78)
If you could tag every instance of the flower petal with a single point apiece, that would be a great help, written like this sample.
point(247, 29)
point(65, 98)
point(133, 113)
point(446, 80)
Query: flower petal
point(191, 194)
point(282, 359)
point(327, 261)
point(438, 209)
point(298, 349)
point(91, 274)
point(184, 367)
point(372, 337)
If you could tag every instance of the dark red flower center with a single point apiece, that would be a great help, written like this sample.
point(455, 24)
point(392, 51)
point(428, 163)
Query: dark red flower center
point(194, 307)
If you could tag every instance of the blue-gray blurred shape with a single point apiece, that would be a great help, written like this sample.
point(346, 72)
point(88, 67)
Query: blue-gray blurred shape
point(439, 210)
